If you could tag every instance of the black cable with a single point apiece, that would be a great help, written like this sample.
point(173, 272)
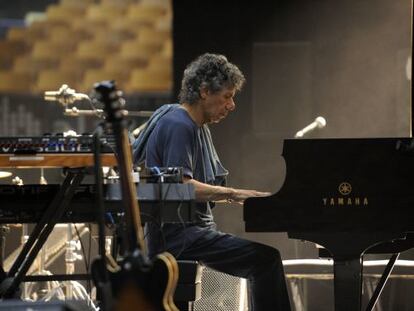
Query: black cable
point(182, 222)
point(161, 208)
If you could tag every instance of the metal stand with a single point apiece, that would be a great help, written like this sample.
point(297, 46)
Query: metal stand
point(4, 229)
point(54, 288)
point(382, 282)
point(70, 257)
point(40, 233)
point(32, 290)
point(348, 261)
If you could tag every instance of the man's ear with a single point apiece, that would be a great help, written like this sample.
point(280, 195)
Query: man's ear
point(203, 92)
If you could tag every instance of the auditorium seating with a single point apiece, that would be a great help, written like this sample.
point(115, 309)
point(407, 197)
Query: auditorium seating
point(64, 13)
point(107, 13)
point(9, 49)
point(120, 63)
point(32, 65)
point(154, 81)
point(123, 37)
point(79, 64)
point(52, 80)
point(15, 82)
point(93, 75)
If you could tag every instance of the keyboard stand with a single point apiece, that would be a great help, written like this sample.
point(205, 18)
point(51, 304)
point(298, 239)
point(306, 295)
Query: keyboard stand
point(41, 232)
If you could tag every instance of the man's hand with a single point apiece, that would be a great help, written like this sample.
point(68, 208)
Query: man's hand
point(239, 195)
point(205, 192)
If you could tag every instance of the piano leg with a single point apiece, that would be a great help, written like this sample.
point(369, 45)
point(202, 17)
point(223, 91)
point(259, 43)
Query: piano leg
point(347, 250)
point(347, 284)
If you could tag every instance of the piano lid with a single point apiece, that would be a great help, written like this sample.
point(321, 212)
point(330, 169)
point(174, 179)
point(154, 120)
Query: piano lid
point(340, 184)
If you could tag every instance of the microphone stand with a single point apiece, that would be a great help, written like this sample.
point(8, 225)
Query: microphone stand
point(75, 112)
point(67, 96)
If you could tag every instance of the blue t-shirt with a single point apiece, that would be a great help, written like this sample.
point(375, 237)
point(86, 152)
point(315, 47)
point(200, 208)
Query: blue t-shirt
point(176, 142)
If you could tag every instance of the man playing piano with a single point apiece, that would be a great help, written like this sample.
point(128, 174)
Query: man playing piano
point(179, 137)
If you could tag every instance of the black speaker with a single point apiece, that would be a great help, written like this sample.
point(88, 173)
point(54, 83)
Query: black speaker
point(18, 305)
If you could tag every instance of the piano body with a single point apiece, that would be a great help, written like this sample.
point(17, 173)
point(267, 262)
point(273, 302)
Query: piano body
point(349, 195)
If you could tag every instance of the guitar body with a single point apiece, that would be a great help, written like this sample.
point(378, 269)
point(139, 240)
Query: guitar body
point(138, 283)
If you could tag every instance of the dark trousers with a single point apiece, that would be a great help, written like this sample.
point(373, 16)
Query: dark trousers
point(260, 264)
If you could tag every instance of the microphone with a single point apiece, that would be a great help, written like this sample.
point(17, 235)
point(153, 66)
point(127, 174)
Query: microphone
point(64, 95)
point(75, 112)
point(319, 122)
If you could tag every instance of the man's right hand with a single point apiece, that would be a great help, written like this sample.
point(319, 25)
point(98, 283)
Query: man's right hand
point(239, 195)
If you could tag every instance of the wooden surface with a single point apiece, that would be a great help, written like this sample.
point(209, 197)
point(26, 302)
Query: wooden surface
point(53, 160)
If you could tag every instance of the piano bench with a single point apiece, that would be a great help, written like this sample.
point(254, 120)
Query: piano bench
point(189, 284)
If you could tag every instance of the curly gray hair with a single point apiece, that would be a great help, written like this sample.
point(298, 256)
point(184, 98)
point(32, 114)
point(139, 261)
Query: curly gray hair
point(212, 71)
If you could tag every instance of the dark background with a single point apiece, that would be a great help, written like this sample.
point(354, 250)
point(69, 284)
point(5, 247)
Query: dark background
point(343, 60)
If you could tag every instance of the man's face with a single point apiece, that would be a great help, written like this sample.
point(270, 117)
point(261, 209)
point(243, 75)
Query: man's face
point(216, 106)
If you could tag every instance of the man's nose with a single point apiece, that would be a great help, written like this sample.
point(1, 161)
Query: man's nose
point(231, 105)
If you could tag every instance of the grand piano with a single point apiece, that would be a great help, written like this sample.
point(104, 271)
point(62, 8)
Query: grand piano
point(352, 196)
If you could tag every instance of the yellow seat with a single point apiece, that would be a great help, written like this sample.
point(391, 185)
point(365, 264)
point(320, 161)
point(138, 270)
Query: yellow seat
point(16, 33)
point(164, 23)
point(95, 49)
point(125, 64)
point(60, 34)
point(149, 81)
point(64, 13)
point(113, 36)
point(53, 79)
point(51, 49)
point(44, 26)
point(154, 36)
point(76, 3)
point(107, 13)
point(130, 25)
point(28, 64)
point(13, 82)
point(130, 48)
point(146, 11)
point(95, 75)
point(159, 63)
point(80, 64)
point(167, 48)
point(9, 49)
point(117, 2)
point(88, 26)
point(26, 34)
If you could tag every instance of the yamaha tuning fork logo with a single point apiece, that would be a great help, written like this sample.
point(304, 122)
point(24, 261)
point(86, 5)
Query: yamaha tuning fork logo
point(345, 188)
point(344, 198)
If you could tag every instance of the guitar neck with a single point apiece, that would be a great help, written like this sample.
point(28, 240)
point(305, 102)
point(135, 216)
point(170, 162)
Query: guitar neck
point(133, 216)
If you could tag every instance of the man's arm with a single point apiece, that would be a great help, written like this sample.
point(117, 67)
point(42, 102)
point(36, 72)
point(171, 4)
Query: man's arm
point(205, 192)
